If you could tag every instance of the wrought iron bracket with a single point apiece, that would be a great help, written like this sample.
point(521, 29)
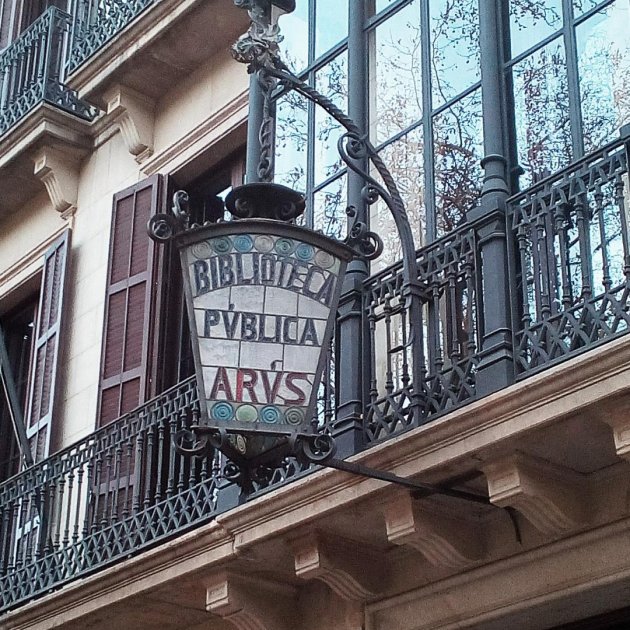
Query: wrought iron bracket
point(311, 448)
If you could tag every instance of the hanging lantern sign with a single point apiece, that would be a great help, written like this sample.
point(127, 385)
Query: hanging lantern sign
point(262, 297)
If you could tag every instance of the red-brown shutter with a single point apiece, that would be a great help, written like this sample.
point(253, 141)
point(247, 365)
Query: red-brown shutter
point(46, 349)
point(131, 303)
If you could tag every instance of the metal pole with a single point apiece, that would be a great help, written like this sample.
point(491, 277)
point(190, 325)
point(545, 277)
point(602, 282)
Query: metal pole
point(495, 370)
point(351, 337)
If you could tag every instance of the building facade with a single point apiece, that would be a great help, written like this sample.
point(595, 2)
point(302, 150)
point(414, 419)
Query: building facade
point(499, 373)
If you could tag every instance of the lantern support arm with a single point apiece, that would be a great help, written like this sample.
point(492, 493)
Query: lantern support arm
point(311, 448)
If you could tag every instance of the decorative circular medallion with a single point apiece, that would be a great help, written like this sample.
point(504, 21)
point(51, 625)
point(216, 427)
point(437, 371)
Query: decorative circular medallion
point(221, 245)
point(246, 413)
point(324, 259)
point(294, 416)
point(240, 443)
point(263, 243)
point(270, 414)
point(285, 246)
point(222, 411)
point(201, 250)
point(304, 252)
point(243, 243)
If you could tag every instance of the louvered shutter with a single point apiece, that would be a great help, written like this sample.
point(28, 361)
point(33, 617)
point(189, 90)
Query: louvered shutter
point(132, 302)
point(46, 349)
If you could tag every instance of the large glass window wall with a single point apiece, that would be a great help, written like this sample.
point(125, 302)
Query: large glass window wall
point(567, 92)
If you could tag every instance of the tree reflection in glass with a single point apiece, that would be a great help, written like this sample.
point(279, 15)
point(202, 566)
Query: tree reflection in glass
point(541, 102)
point(458, 149)
point(603, 44)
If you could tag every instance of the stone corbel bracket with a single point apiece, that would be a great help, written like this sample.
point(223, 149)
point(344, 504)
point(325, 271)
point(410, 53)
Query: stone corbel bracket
point(443, 537)
point(252, 604)
point(351, 571)
point(619, 421)
point(552, 498)
point(58, 170)
point(134, 114)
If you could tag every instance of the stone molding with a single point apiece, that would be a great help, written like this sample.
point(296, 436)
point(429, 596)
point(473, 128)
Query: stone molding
point(251, 604)
point(58, 170)
point(444, 539)
point(351, 571)
point(552, 498)
point(134, 115)
point(218, 126)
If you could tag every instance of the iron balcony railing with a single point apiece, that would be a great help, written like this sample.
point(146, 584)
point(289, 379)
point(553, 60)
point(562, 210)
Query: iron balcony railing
point(571, 263)
point(111, 494)
point(124, 488)
point(31, 71)
point(96, 22)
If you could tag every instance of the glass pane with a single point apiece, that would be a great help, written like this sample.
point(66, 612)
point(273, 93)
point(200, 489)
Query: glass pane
point(582, 6)
point(531, 21)
point(329, 209)
point(294, 30)
point(541, 104)
point(396, 100)
point(603, 44)
point(332, 81)
point(331, 24)
point(458, 149)
point(291, 141)
point(454, 47)
point(404, 159)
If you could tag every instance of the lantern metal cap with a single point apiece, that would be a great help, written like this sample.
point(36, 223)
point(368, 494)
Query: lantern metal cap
point(264, 200)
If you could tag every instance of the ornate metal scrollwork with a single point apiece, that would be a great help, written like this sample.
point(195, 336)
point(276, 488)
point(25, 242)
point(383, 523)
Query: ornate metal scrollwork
point(163, 227)
point(260, 45)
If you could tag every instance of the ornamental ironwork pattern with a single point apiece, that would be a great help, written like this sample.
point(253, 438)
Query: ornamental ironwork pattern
point(113, 493)
point(96, 22)
point(31, 69)
point(572, 264)
point(446, 350)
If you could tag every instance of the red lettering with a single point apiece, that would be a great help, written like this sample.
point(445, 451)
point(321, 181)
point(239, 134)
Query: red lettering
point(248, 384)
point(271, 391)
point(301, 396)
point(221, 384)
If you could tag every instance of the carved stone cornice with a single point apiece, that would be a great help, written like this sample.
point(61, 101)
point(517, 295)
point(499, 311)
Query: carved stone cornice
point(58, 170)
point(251, 604)
point(444, 538)
point(552, 498)
point(350, 570)
point(134, 115)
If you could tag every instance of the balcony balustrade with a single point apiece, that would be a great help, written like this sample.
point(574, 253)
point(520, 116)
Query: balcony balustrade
point(31, 71)
point(96, 22)
point(124, 488)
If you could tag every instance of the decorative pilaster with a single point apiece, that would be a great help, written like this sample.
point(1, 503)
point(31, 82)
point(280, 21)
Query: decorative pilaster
point(133, 113)
point(252, 604)
point(552, 498)
point(58, 170)
point(347, 568)
point(443, 538)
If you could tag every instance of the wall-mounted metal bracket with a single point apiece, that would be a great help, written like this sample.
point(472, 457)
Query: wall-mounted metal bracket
point(313, 448)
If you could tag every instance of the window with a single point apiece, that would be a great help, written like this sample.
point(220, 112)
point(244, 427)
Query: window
point(31, 335)
point(566, 93)
point(146, 343)
point(569, 65)
point(18, 327)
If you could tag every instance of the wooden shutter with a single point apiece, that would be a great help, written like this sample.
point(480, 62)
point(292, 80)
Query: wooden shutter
point(46, 348)
point(128, 363)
